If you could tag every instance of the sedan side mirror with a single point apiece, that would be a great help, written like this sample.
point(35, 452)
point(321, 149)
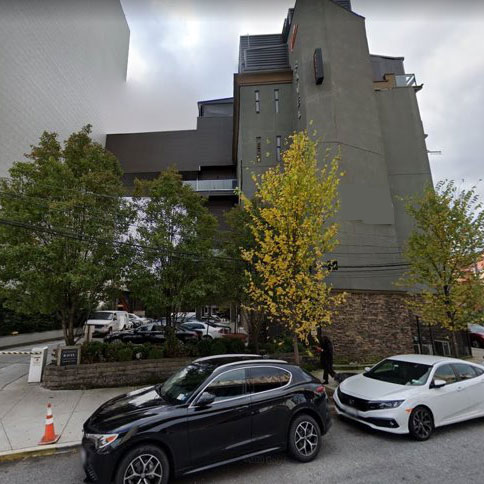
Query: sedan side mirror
point(367, 368)
point(438, 383)
point(205, 400)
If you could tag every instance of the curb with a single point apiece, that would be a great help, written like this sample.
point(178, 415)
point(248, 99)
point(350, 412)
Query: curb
point(44, 450)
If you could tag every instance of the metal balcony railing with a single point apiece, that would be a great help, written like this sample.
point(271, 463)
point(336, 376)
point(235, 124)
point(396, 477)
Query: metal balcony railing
point(405, 80)
point(212, 185)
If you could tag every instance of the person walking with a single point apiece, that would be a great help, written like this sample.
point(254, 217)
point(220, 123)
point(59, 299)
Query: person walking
point(326, 357)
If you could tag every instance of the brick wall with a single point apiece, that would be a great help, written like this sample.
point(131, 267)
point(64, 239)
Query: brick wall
point(111, 374)
point(371, 325)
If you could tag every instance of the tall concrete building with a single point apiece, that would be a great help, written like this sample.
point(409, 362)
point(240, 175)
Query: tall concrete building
point(62, 65)
point(318, 75)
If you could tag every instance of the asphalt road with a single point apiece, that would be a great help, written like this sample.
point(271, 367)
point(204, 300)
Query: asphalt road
point(350, 454)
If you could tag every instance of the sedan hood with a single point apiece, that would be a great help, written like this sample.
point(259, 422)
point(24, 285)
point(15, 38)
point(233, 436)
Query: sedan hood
point(122, 410)
point(371, 389)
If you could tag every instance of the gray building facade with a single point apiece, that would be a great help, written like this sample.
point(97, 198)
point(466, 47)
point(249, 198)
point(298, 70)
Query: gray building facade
point(62, 65)
point(317, 75)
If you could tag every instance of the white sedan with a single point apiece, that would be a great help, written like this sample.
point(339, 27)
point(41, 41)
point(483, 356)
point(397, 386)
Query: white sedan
point(203, 330)
point(413, 394)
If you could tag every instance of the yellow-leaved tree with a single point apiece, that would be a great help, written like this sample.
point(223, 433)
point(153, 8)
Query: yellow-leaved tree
point(292, 221)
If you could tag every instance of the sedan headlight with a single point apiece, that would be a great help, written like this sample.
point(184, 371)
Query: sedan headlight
point(384, 404)
point(101, 440)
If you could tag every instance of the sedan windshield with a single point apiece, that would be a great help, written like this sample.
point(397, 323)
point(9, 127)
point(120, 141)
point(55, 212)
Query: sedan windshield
point(476, 328)
point(180, 387)
point(400, 372)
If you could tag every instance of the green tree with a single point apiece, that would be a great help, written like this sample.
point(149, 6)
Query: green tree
point(292, 224)
point(235, 275)
point(61, 220)
point(175, 268)
point(447, 239)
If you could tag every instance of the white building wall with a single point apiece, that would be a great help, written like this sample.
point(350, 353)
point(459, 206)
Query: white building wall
point(62, 65)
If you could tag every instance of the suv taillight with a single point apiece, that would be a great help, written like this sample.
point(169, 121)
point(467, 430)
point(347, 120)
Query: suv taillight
point(320, 390)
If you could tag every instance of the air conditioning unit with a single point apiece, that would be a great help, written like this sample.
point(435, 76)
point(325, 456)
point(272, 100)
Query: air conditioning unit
point(423, 349)
point(442, 348)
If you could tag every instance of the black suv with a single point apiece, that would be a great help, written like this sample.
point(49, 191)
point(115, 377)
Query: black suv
point(214, 411)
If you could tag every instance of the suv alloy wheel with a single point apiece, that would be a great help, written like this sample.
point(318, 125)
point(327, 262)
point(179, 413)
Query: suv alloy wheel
point(304, 438)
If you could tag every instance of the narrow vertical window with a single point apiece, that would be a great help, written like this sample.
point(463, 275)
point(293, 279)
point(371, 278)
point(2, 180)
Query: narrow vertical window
point(257, 102)
point(278, 148)
point(258, 148)
point(276, 99)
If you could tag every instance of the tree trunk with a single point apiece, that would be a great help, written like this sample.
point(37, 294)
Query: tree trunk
point(454, 344)
point(296, 349)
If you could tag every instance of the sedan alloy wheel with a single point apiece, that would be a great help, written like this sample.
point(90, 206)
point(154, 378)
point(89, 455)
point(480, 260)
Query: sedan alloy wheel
point(421, 423)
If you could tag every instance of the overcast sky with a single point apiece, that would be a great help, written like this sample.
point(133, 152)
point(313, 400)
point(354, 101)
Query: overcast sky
point(183, 51)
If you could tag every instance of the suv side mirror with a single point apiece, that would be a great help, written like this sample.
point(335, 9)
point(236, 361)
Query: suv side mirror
point(437, 383)
point(205, 400)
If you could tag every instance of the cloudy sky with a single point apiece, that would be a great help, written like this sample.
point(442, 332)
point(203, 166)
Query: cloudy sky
point(183, 51)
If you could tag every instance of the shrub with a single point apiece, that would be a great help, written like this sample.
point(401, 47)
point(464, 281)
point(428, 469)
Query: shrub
point(155, 353)
point(218, 347)
point(92, 352)
point(173, 347)
point(124, 354)
point(205, 347)
point(235, 346)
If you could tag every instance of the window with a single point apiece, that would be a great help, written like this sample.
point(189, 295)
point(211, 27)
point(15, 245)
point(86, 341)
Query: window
point(400, 372)
point(263, 379)
point(479, 371)
point(179, 387)
point(257, 102)
point(446, 373)
point(464, 372)
point(258, 148)
point(276, 99)
point(230, 384)
point(278, 148)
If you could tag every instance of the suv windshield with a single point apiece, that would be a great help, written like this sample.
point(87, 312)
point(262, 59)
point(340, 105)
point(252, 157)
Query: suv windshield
point(180, 387)
point(101, 315)
point(400, 372)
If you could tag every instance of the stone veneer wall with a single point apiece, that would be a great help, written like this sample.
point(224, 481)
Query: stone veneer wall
point(117, 374)
point(371, 325)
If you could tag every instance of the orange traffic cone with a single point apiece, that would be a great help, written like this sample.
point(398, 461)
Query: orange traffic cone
point(49, 434)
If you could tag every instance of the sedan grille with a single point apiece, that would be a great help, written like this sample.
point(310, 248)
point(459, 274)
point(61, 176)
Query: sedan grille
point(351, 401)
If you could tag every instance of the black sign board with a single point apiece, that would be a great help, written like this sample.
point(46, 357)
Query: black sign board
point(318, 66)
point(68, 355)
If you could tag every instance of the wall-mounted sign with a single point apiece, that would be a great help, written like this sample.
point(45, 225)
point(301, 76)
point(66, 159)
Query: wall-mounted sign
point(318, 66)
point(68, 355)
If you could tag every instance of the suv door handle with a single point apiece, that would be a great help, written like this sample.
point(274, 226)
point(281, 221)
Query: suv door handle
point(459, 389)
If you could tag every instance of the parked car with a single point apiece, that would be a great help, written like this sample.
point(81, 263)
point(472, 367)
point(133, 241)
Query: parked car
point(413, 394)
point(150, 333)
point(106, 322)
point(476, 334)
point(203, 330)
point(137, 320)
point(214, 411)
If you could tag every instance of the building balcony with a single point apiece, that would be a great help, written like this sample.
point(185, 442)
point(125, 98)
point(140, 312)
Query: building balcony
point(392, 81)
point(405, 80)
point(224, 185)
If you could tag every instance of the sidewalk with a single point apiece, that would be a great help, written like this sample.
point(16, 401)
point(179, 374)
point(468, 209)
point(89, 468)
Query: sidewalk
point(30, 338)
point(23, 408)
